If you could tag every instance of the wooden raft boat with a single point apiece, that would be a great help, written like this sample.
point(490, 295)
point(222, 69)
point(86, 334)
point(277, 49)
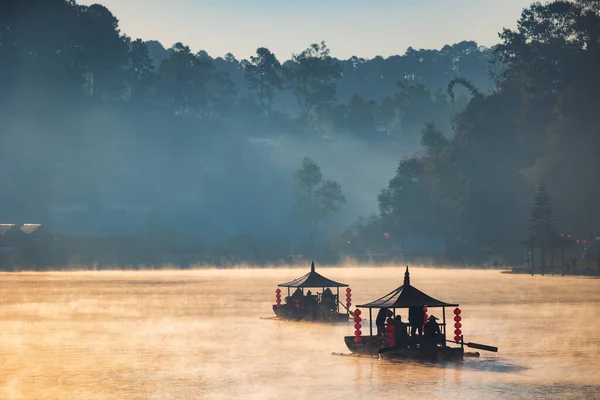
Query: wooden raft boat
point(396, 339)
point(304, 305)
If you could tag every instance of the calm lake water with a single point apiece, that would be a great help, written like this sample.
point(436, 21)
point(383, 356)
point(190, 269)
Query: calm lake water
point(198, 335)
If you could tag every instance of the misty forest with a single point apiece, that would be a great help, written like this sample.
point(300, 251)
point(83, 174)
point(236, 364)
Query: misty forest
point(130, 152)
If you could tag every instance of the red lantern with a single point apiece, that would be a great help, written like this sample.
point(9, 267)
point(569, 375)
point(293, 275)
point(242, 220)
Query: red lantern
point(348, 290)
point(425, 310)
point(457, 318)
point(357, 312)
point(357, 319)
point(357, 339)
point(357, 326)
point(457, 311)
point(348, 304)
point(425, 317)
point(357, 332)
point(457, 332)
point(278, 291)
point(457, 339)
point(457, 325)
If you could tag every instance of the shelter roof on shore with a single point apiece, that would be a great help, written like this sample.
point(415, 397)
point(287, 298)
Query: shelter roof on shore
point(406, 296)
point(547, 238)
point(312, 280)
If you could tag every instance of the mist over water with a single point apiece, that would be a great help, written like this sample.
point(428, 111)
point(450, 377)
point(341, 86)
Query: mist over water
point(198, 335)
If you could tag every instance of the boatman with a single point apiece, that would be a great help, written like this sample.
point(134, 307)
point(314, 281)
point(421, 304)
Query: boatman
point(416, 318)
point(380, 321)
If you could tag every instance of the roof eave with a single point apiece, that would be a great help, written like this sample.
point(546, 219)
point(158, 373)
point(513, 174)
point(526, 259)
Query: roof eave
point(392, 306)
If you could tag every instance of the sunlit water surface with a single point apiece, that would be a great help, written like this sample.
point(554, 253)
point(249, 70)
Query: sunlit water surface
point(199, 335)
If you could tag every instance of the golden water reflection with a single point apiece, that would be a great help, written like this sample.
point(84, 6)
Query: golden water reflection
point(198, 335)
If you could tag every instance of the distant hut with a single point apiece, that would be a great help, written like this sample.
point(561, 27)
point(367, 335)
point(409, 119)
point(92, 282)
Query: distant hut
point(9, 244)
point(542, 233)
point(36, 245)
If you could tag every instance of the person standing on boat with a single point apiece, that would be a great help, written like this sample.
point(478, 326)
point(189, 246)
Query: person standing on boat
point(380, 321)
point(416, 319)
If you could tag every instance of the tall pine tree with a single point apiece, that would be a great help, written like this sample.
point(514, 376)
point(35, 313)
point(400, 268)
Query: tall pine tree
point(541, 220)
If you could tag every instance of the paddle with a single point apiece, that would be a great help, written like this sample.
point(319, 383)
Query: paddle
point(478, 346)
point(351, 313)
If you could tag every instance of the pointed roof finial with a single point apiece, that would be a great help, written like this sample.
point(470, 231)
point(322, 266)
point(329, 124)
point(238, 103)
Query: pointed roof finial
point(312, 266)
point(407, 277)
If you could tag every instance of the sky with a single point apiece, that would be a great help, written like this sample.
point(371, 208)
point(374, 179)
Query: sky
point(364, 28)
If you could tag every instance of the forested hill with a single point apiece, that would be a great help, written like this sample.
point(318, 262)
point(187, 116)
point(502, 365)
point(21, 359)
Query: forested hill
point(446, 145)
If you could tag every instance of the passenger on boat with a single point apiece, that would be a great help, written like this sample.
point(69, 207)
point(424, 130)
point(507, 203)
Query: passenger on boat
point(432, 331)
point(298, 294)
point(416, 319)
point(310, 303)
point(380, 321)
point(400, 333)
point(328, 299)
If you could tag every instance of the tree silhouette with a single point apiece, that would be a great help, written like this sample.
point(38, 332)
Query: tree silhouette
point(315, 198)
point(541, 220)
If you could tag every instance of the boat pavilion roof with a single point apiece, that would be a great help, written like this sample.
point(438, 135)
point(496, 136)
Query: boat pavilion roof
point(404, 297)
point(312, 280)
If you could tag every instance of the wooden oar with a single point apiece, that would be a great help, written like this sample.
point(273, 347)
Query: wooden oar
point(350, 312)
point(478, 346)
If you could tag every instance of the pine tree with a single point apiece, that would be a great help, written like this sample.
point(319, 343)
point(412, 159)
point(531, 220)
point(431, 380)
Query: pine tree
point(541, 220)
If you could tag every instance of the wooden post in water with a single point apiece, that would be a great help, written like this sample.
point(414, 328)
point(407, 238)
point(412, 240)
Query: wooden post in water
point(444, 322)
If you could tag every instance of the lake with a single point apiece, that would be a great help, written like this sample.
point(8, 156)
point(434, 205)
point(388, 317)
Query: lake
point(198, 334)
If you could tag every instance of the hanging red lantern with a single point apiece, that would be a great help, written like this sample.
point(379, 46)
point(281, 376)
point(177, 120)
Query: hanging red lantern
point(348, 290)
point(457, 318)
point(457, 311)
point(457, 339)
point(357, 326)
point(357, 312)
point(357, 319)
point(357, 332)
point(357, 339)
point(425, 310)
point(425, 317)
point(457, 325)
point(278, 291)
point(457, 332)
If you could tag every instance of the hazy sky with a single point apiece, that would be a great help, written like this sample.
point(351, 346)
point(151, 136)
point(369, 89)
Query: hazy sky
point(365, 28)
